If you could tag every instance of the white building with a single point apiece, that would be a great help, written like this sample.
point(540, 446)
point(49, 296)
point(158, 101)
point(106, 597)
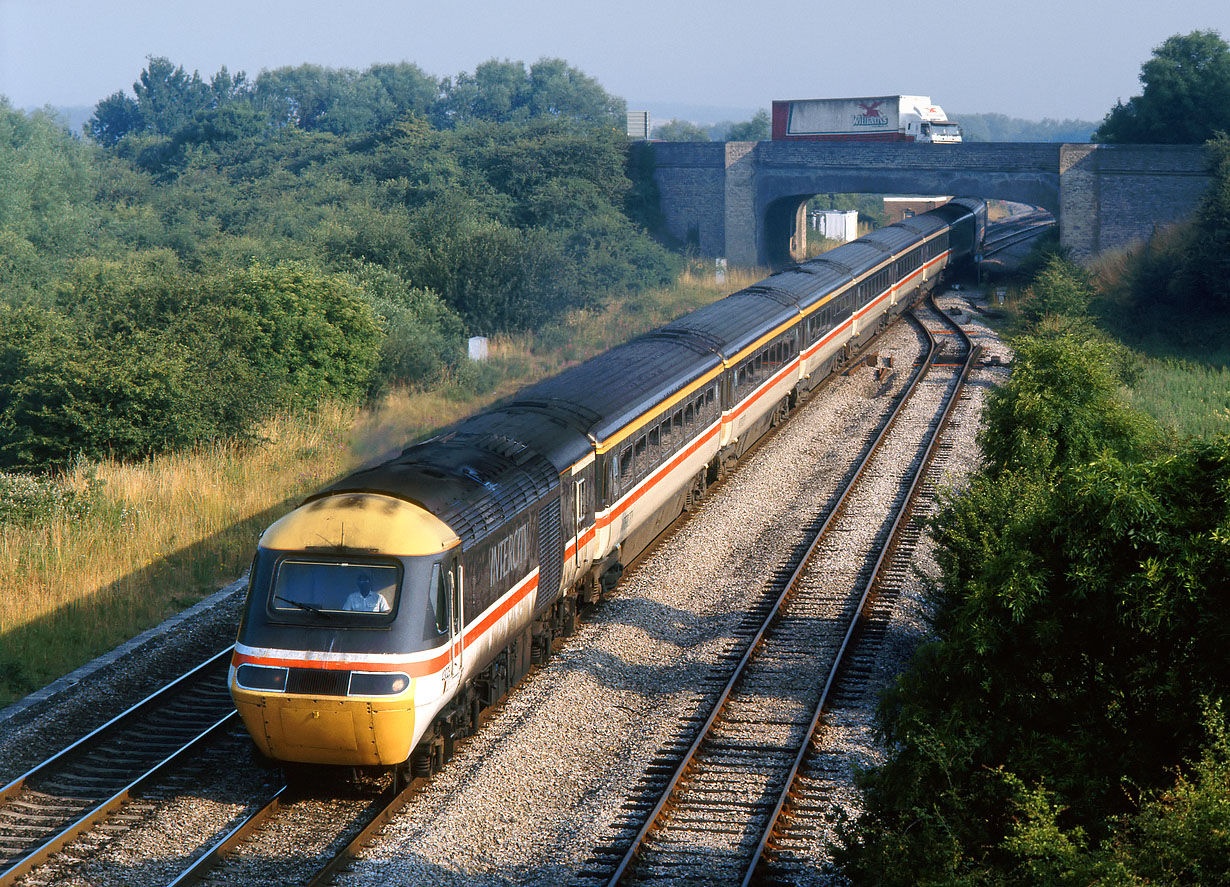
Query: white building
point(836, 224)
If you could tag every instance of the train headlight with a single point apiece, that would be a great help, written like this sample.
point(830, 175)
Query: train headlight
point(261, 677)
point(382, 683)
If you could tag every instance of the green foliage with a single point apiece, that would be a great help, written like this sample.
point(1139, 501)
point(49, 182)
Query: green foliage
point(167, 99)
point(1077, 632)
point(1002, 128)
point(680, 131)
point(1060, 409)
point(234, 246)
point(870, 207)
point(1180, 835)
point(139, 357)
point(1060, 289)
point(754, 130)
point(1206, 273)
point(1184, 271)
point(1186, 95)
point(505, 92)
point(26, 498)
point(46, 191)
point(422, 338)
point(343, 101)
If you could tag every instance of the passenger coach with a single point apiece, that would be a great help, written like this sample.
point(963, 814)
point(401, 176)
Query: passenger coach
point(387, 610)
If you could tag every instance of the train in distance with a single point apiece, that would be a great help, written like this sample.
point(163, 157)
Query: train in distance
point(882, 118)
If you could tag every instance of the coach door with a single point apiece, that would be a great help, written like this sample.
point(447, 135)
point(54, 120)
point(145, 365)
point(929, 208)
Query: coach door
point(582, 517)
point(456, 645)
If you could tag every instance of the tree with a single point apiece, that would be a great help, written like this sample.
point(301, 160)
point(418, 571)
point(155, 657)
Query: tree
point(1207, 261)
point(680, 131)
point(1186, 95)
point(754, 130)
point(114, 117)
point(1060, 409)
point(167, 98)
point(562, 92)
point(506, 92)
point(1061, 289)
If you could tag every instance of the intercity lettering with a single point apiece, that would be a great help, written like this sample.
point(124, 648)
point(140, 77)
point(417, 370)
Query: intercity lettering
point(510, 553)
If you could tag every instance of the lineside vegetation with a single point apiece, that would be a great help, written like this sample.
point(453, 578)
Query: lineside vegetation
point(233, 289)
point(99, 552)
point(1067, 723)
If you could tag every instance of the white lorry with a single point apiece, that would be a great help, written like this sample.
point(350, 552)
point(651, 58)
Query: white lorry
point(884, 118)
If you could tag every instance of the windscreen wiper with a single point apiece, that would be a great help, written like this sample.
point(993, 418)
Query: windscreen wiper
point(302, 606)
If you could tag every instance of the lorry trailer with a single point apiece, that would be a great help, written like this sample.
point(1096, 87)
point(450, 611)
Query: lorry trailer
point(885, 118)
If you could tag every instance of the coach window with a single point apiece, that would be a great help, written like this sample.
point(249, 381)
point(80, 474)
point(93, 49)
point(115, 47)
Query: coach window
point(642, 463)
point(625, 464)
point(665, 433)
point(655, 443)
point(689, 415)
point(440, 603)
point(677, 421)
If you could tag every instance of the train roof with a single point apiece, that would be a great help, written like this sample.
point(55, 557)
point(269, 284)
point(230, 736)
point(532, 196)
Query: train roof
point(825, 275)
point(954, 210)
point(896, 238)
point(735, 322)
point(612, 389)
point(860, 256)
point(474, 480)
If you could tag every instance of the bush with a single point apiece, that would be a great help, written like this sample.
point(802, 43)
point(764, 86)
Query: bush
point(1061, 407)
point(422, 338)
point(140, 357)
point(1078, 629)
point(1060, 289)
point(26, 498)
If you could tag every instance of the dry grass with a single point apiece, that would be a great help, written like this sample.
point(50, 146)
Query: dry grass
point(125, 545)
point(99, 555)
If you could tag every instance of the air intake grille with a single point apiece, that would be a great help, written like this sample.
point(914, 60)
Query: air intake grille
point(317, 681)
point(550, 554)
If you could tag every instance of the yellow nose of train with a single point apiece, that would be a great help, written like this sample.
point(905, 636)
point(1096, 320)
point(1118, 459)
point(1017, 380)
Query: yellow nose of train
point(324, 729)
point(312, 675)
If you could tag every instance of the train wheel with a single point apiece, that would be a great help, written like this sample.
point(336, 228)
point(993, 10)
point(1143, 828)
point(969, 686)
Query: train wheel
point(568, 616)
point(696, 492)
point(541, 650)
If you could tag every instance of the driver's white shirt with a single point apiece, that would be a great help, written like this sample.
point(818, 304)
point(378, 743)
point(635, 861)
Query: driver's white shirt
point(374, 602)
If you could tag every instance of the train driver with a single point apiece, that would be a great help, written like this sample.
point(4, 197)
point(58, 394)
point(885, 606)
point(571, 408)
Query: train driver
point(366, 599)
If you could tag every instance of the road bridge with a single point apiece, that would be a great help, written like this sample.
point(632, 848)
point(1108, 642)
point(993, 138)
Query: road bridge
point(746, 200)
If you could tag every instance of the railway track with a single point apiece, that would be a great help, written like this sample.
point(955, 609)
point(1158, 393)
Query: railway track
point(100, 778)
point(1011, 232)
point(711, 806)
point(356, 819)
point(352, 822)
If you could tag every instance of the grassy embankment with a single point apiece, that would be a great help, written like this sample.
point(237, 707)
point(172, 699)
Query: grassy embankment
point(110, 549)
point(1179, 366)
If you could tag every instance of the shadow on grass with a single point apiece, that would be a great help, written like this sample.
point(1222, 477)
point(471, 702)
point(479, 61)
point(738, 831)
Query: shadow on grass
point(38, 652)
point(1159, 332)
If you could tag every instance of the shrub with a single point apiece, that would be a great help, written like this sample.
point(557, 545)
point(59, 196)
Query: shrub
point(141, 357)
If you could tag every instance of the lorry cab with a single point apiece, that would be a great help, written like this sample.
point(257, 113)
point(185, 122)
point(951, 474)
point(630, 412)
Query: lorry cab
point(945, 132)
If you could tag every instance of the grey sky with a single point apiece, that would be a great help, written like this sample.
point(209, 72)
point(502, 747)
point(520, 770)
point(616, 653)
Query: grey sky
point(1026, 58)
